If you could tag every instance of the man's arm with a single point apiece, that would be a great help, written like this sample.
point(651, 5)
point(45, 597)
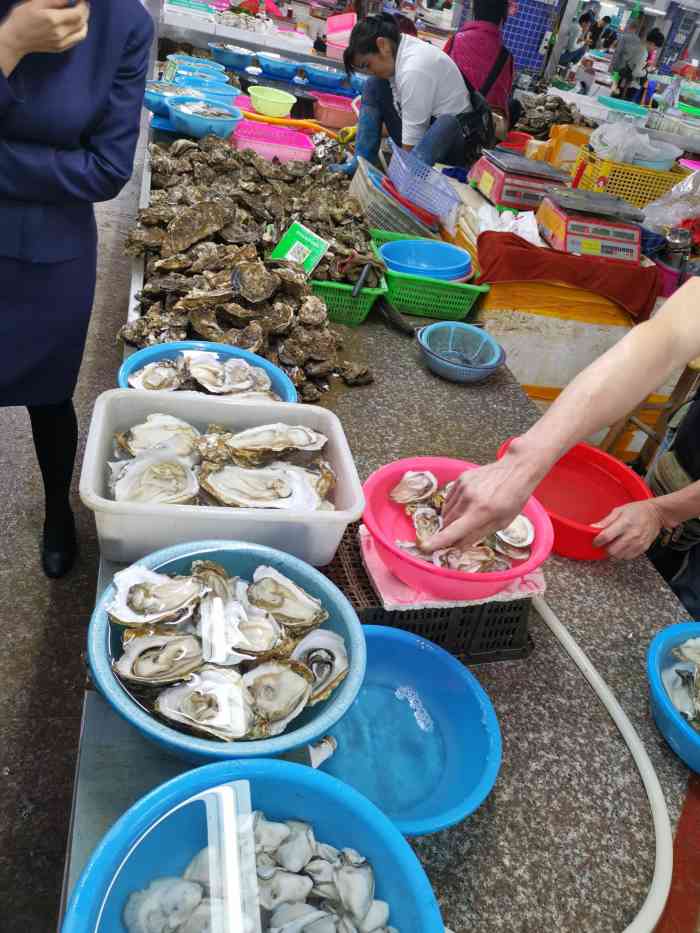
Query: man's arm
point(489, 498)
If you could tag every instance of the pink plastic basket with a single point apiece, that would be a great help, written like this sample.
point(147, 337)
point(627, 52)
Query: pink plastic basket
point(387, 521)
point(338, 28)
point(333, 111)
point(273, 142)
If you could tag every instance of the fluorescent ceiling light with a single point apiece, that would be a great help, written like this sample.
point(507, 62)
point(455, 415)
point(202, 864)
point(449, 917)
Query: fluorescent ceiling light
point(654, 12)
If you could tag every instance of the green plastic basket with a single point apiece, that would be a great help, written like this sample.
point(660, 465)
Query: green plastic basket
point(342, 307)
point(424, 297)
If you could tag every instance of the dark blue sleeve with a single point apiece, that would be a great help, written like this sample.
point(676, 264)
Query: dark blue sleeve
point(6, 96)
point(97, 172)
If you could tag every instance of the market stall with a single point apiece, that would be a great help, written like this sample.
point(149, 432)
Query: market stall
point(250, 280)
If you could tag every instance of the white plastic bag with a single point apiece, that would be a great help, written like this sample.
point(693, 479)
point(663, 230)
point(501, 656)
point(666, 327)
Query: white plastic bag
point(622, 142)
point(523, 224)
point(680, 203)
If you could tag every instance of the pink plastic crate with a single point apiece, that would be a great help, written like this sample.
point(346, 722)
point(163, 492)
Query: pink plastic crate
point(333, 111)
point(273, 142)
point(338, 28)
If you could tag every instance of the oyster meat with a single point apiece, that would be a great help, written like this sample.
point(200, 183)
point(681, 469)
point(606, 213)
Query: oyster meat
point(144, 597)
point(415, 486)
point(278, 691)
point(292, 606)
point(157, 477)
point(163, 376)
point(159, 659)
point(213, 702)
point(270, 441)
point(325, 654)
point(274, 487)
point(164, 905)
point(159, 431)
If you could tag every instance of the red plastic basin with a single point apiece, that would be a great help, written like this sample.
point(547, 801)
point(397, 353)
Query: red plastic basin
point(583, 487)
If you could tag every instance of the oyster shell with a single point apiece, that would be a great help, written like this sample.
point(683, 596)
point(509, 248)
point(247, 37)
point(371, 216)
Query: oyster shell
point(230, 634)
point(217, 377)
point(265, 488)
point(278, 691)
point(325, 654)
point(313, 312)
point(520, 533)
point(270, 441)
point(292, 606)
point(144, 597)
point(212, 702)
point(427, 522)
point(159, 431)
point(415, 486)
point(157, 477)
point(254, 281)
point(158, 659)
point(162, 376)
point(191, 225)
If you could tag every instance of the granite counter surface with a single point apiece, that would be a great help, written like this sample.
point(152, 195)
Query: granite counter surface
point(565, 841)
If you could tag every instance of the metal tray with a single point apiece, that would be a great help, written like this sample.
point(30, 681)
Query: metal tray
point(512, 162)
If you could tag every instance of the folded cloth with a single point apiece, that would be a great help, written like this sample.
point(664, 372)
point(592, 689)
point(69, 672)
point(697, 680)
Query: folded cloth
point(396, 595)
point(505, 257)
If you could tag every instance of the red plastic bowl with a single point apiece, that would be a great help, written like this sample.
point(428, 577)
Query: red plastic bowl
point(583, 487)
point(387, 521)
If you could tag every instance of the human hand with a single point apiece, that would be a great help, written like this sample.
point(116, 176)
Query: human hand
point(41, 26)
point(483, 501)
point(630, 530)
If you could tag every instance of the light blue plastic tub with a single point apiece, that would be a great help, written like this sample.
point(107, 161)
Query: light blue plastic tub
point(230, 59)
point(431, 258)
point(202, 84)
point(680, 735)
point(422, 740)
point(323, 75)
point(282, 385)
point(218, 77)
point(156, 97)
point(194, 62)
point(199, 126)
point(277, 67)
point(460, 352)
point(339, 815)
point(240, 559)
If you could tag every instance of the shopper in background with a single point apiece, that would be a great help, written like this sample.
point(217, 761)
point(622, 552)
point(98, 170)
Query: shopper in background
point(489, 498)
point(576, 41)
point(608, 36)
point(596, 31)
point(481, 56)
point(631, 61)
point(71, 89)
point(414, 90)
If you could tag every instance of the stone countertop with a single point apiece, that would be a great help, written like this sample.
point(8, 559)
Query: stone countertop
point(565, 841)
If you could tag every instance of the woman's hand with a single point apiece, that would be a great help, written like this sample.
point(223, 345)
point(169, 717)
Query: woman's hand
point(41, 26)
point(630, 530)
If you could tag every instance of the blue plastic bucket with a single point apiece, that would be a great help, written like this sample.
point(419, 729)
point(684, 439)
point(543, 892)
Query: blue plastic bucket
point(422, 717)
point(198, 125)
point(133, 853)
point(282, 385)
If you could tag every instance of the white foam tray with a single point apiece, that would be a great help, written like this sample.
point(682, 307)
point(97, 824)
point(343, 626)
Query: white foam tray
point(129, 531)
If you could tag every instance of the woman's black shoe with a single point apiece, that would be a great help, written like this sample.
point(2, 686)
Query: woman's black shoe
point(59, 547)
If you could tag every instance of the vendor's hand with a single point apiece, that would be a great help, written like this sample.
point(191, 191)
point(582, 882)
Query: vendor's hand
point(630, 530)
point(41, 26)
point(483, 501)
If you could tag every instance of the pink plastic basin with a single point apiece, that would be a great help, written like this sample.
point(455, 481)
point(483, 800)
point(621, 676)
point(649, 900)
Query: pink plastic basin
point(387, 521)
point(273, 142)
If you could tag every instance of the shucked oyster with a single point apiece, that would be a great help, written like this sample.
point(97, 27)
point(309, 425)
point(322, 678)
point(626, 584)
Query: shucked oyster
point(164, 905)
point(159, 659)
point(159, 431)
point(230, 634)
point(278, 691)
point(144, 597)
point(212, 702)
point(292, 606)
point(162, 376)
point(266, 488)
point(324, 653)
point(415, 486)
point(159, 476)
point(269, 441)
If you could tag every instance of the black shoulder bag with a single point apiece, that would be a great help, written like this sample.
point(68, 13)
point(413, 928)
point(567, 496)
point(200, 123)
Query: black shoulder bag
point(477, 125)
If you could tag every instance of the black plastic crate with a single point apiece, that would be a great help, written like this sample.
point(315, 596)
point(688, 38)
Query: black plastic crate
point(477, 634)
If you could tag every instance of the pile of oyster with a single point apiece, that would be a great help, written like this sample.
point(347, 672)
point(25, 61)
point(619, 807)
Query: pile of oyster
point(304, 886)
point(273, 466)
point(424, 499)
point(682, 681)
point(202, 371)
point(542, 112)
point(215, 216)
point(222, 657)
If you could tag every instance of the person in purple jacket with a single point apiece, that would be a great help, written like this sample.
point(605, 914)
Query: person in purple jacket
point(72, 79)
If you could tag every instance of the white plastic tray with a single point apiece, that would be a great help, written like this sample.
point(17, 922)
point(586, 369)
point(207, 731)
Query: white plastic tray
point(127, 531)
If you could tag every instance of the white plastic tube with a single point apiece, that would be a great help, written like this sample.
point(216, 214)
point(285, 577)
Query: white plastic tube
point(655, 901)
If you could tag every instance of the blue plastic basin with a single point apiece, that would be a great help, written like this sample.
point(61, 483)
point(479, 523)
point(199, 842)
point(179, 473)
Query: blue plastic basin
point(460, 352)
point(156, 99)
point(680, 735)
point(277, 67)
point(240, 559)
point(202, 84)
point(194, 62)
point(323, 76)
point(426, 257)
point(422, 740)
point(282, 385)
point(339, 816)
point(198, 126)
point(218, 77)
point(230, 59)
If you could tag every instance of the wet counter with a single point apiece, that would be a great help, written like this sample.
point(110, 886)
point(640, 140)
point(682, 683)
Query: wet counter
point(565, 841)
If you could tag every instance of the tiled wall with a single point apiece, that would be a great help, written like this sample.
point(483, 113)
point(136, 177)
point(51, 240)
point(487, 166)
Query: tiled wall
point(523, 32)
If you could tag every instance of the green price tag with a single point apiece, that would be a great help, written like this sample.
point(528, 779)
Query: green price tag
point(301, 245)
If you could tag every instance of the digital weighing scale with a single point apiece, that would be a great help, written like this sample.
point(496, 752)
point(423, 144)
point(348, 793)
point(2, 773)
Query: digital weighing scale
point(587, 223)
point(507, 179)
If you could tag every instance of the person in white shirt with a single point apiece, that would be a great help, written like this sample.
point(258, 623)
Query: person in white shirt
point(414, 90)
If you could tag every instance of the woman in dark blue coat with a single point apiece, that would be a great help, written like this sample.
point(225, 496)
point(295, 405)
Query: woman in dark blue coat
point(71, 88)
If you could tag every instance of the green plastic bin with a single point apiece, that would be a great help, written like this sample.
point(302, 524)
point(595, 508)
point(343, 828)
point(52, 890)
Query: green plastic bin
point(342, 307)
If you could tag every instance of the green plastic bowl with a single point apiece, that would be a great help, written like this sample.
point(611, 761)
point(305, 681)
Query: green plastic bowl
point(624, 106)
point(271, 102)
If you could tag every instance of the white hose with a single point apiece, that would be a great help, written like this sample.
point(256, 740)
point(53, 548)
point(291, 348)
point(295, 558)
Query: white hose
point(655, 901)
